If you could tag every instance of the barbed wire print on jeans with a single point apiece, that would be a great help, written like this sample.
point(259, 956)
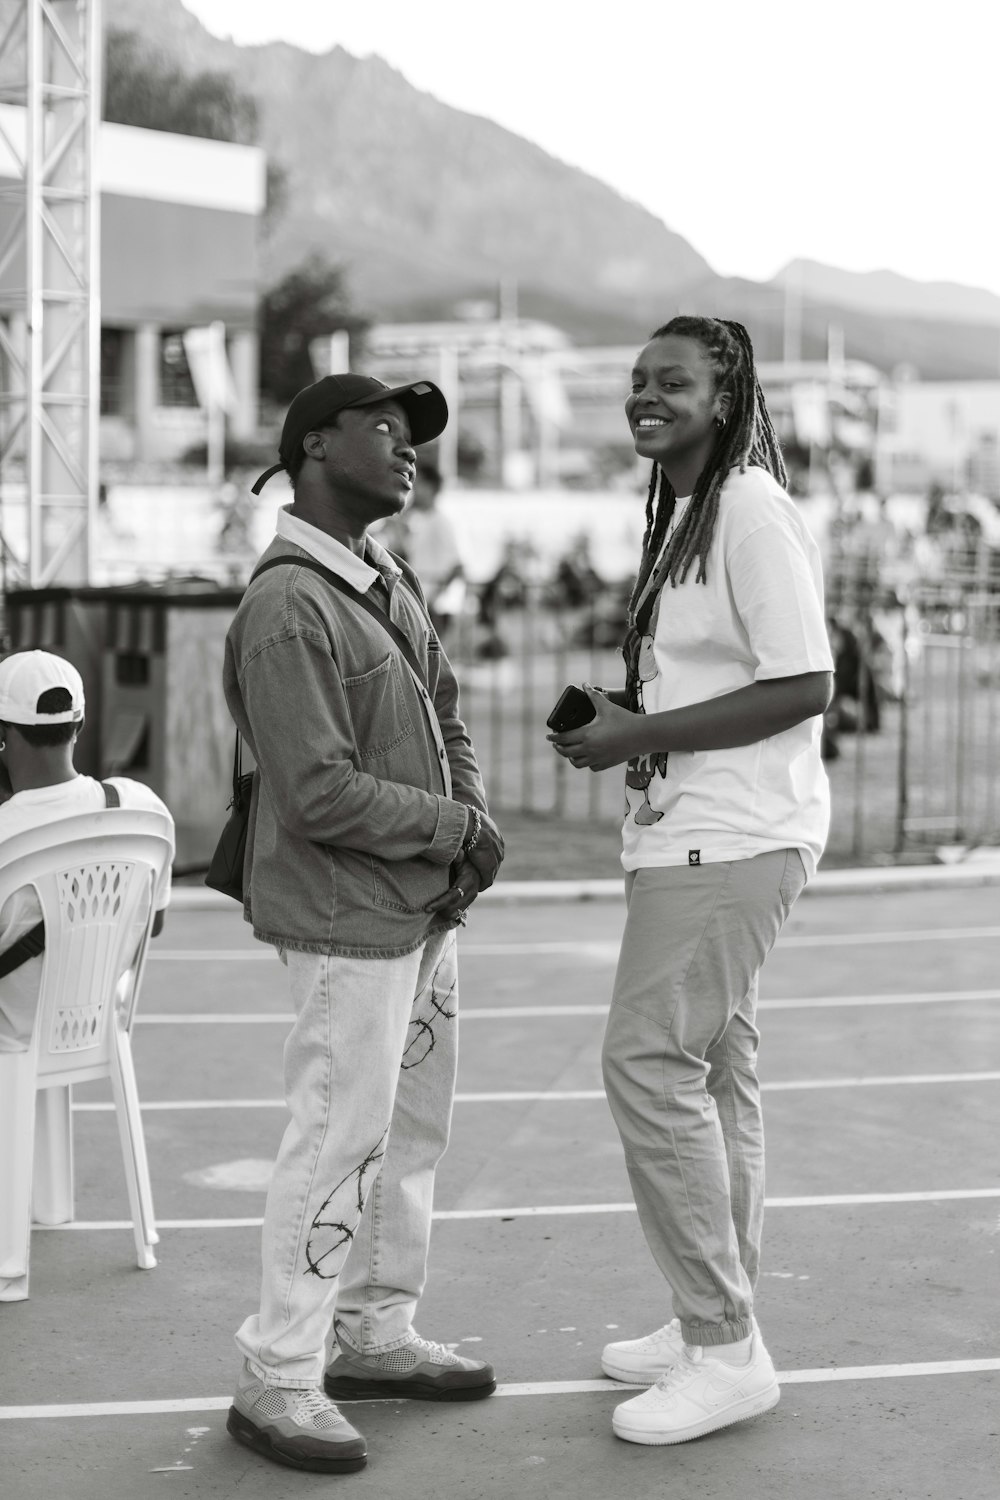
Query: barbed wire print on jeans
point(331, 1229)
point(421, 1034)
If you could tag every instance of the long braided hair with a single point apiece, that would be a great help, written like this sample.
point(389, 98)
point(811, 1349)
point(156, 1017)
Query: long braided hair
point(747, 438)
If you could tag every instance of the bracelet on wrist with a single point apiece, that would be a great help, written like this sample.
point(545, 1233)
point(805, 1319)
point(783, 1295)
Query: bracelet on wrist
point(472, 837)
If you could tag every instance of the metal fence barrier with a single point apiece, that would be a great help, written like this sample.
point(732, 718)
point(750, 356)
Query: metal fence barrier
point(910, 740)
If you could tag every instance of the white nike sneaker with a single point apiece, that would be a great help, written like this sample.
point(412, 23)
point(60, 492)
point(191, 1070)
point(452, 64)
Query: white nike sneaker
point(641, 1361)
point(697, 1395)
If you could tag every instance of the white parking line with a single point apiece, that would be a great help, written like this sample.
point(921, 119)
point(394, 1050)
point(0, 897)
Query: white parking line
point(569, 1096)
point(558, 1210)
point(525, 1388)
point(211, 955)
point(921, 997)
point(855, 939)
point(528, 1012)
point(89, 1224)
point(217, 1018)
point(835, 1200)
point(278, 1018)
point(606, 951)
point(541, 1012)
point(106, 1106)
point(880, 1081)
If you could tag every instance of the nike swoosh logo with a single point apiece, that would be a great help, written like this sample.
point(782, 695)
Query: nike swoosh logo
point(717, 1395)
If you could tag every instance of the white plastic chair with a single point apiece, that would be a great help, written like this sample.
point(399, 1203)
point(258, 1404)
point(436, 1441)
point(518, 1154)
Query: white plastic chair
point(96, 875)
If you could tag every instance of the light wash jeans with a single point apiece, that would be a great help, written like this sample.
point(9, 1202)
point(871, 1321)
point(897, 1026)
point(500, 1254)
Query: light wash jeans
point(680, 1069)
point(370, 1080)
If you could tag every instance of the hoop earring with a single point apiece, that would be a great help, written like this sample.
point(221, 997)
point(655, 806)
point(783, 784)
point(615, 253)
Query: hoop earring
point(3, 744)
point(720, 422)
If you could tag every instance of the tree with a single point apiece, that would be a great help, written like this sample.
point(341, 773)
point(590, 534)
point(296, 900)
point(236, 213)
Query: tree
point(309, 302)
point(142, 88)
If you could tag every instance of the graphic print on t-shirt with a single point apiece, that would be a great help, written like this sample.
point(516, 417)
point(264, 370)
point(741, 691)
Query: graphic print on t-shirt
point(639, 772)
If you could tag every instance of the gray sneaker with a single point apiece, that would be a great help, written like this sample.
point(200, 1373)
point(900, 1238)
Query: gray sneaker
point(294, 1425)
point(418, 1370)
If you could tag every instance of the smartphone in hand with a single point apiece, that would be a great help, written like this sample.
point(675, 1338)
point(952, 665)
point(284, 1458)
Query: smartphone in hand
point(573, 709)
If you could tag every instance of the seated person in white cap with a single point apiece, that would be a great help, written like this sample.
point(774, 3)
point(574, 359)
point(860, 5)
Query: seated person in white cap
point(41, 715)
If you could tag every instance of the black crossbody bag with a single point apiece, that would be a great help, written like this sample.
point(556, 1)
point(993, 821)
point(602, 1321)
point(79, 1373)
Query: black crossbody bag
point(225, 870)
point(33, 941)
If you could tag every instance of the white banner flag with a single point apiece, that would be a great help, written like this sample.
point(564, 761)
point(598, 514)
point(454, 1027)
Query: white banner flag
point(210, 373)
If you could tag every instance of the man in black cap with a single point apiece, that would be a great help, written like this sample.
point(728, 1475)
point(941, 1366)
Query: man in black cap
point(368, 839)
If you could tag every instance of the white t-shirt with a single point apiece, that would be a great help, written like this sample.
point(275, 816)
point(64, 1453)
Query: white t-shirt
point(760, 615)
point(21, 912)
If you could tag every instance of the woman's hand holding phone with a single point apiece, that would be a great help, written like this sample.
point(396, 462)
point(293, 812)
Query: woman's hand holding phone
point(572, 710)
point(606, 739)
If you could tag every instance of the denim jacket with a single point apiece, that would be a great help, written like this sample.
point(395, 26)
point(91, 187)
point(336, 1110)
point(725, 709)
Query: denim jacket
point(354, 819)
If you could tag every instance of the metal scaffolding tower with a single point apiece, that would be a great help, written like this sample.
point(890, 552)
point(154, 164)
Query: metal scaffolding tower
point(50, 106)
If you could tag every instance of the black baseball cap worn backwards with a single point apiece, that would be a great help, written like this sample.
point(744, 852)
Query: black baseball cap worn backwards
point(424, 404)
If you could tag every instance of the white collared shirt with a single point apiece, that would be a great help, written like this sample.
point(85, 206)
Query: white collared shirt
point(333, 554)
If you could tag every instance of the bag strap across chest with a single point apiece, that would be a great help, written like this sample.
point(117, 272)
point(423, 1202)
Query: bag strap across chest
point(391, 629)
point(33, 941)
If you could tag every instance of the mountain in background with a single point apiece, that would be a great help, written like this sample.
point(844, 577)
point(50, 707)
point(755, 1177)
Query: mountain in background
point(427, 207)
point(888, 292)
point(937, 348)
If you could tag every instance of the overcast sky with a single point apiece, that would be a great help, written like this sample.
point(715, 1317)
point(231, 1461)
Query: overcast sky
point(864, 134)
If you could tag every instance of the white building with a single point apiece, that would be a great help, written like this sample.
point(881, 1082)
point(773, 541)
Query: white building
point(179, 231)
point(947, 432)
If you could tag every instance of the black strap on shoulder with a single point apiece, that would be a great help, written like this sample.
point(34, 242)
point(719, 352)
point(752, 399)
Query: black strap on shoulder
point(33, 942)
point(26, 947)
point(361, 600)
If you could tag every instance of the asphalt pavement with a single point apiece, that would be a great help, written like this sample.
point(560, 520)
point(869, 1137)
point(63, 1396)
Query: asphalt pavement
point(879, 1295)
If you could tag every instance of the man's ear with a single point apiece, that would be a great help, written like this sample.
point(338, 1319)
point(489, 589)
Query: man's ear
point(81, 726)
point(315, 444)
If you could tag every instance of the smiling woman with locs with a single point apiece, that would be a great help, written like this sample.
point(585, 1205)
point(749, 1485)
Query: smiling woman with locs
point(728, 671)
